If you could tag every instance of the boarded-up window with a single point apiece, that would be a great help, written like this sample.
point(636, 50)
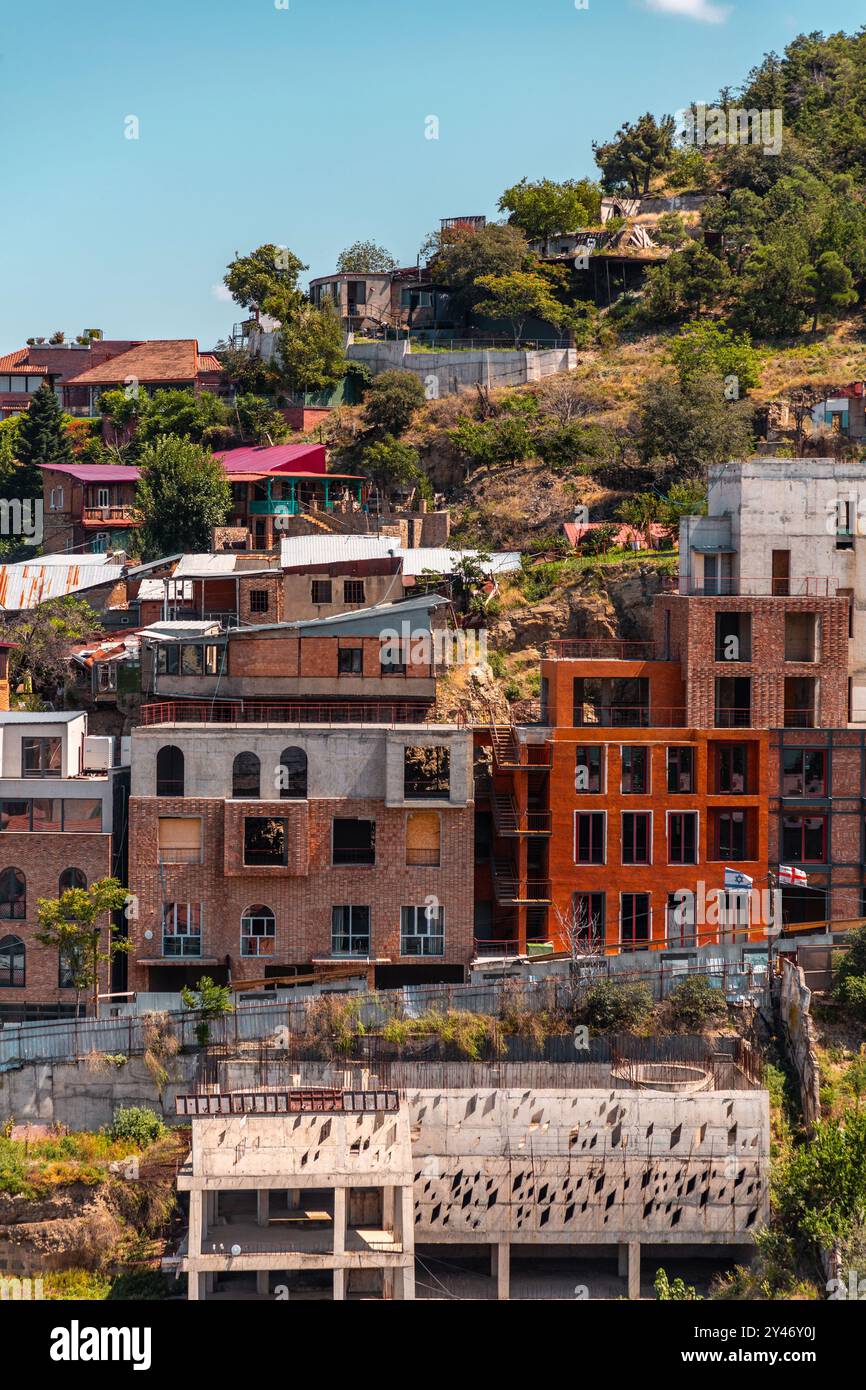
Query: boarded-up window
point(423, 838)
point(179, 840)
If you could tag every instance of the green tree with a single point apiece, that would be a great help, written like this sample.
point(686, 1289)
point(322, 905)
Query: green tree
point(391, 463)
point(44, 636)
point(543, 208)
point(364, 258)
point(635, 154)
point(674, 1290)
point(703, 346)
point(311, 352)
point(41, 440)
point(392, 401)
point(266, 279)
point(465, 255)
point(120, 411)
point(641, 512)
point(259, 420)
point(774, 295)
point(211, 1001)
point(181, 413)
point(830, 282)
point(688, 281)
point(183, 493)
point(687, 426)
point(821, 1189)
point(74, 924)
point(516, 297)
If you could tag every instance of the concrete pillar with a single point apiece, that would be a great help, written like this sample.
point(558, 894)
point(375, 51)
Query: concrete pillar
point(263, 1282)
point(503, 1270)
point(293, 1198)
point(408, 1281)
point(634, 1269)
point(390, 1205)
point(339, 1220)
point(196, 1204)
point(263, 1206)
point(194, 1290)
point(339, 1285)
point(388, 1283)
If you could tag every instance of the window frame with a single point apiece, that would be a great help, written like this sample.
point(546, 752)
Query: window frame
point(183, 931)
point(634, 941)
point(350, 931)
point(264, 917)
point(417, 934)
point(647, 818)
point(695, 817)
point(594, 817)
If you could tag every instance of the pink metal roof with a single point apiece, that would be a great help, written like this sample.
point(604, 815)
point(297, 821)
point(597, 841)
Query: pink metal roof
point(309, 458)
point(96, 473)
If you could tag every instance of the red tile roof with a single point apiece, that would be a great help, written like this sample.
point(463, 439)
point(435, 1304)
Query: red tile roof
point(16, 363)
point(159, 360)
point(207, 362)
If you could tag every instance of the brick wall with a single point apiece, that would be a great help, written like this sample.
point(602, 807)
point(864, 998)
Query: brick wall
point(42, 858)
point(302, 904)
point(272, 586)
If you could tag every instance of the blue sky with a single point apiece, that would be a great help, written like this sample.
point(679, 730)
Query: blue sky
point(305, 126)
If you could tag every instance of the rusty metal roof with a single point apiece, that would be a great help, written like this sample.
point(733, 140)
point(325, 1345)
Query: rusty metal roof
point(25, 586)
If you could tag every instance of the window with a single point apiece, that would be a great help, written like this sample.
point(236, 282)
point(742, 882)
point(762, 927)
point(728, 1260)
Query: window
point(618, 702)
point(40, 757)
point(106, 676)
point(66, 969)
point(320, 591)
point(354, 841)
point(169, 771)
point(732, 762)
point(12, 963)
point(423, 838)
point(14, 815)
point(265, 841)
point(191, 660)
point(422, 931)
point(13, 895)
point(353, 591)
point(804, 839)
point(258, 600)
point(636, 837)
point(81, 816)
point(391, 658)
point(802, 637)
point(55, 499)
point(589, 828)
point(71, 878)
point(350, 661)
point(635, 771)
point(733, 637)
point(733, 702)
point(293, 774)
point(801, 698)
point(181, 929)
point(680, 919)
point(47, 814)
point(167, 660)
point(350, 931)
point(426, 773)
point(258, 931)
point(179, 839)
point(635, 919)
point(682, 837)
point(589, 769)
point(246, 777)
point(681, 770)
point(730, 834)
point(587, 915)
point(804, 772)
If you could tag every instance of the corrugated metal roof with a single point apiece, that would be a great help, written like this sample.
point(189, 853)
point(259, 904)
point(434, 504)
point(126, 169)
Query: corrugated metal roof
point(310, 552)
point(25, 586)
point(96, 473)
point(265, 458)
point(203, 565)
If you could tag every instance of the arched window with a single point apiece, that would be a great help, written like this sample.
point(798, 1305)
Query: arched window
point(12, 956)
point(72, 878)
point(293, 772)
point(169, 771)
point(13, 895)
point(258, 929)
point(246, 776)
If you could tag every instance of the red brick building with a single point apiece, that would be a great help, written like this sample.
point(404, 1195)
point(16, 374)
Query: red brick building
point(262, 850)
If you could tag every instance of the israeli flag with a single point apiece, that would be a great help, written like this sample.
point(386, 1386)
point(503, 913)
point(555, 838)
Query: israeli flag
point(734, 879)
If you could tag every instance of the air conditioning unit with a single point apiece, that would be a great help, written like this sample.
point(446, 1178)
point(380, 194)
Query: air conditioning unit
point(98, 753)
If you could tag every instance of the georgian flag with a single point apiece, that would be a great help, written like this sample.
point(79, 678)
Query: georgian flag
point(734, 879)
point(787, 874)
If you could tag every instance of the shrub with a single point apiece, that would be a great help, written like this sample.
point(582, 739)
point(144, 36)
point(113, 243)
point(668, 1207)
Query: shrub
point(852, 993)
point(137, 1123)
point(821, 1190)
point(694, 1004)
point(140, 1284)
point(673, 1289)
point(392, 400)
point(609, 1006)
point(853, 963)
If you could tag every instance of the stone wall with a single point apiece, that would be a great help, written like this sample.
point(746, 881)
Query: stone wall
point(795, 1000)
point(448, 373)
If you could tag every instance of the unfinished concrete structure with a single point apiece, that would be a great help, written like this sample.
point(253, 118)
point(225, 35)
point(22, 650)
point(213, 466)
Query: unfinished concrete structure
point(308, 1191)
point(514, 1170)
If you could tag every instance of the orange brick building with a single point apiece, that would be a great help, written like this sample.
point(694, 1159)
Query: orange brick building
point(614, 820)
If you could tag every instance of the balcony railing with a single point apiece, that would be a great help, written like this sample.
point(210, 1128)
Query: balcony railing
point(731, 717)
point(385, 712)
point(629, 716)
point(110, 515)
point(602, 649)
point(761, 586)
